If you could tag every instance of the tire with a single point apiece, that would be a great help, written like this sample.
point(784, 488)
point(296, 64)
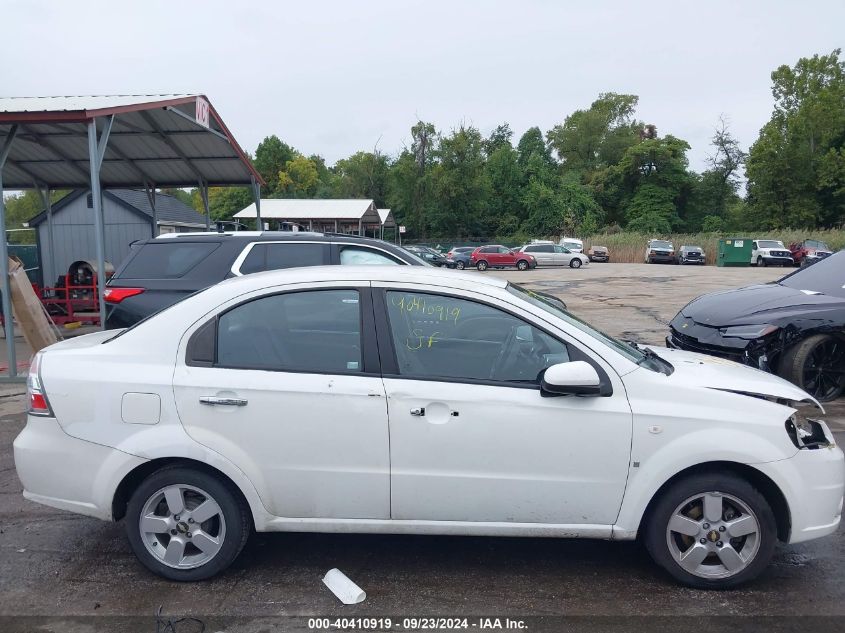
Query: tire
point(460, 265)
point(800, 364)
point(522, 265)
point(481, 265)
point(737, 498)
point(231, 523)
point(575, 263)
point(761, 262)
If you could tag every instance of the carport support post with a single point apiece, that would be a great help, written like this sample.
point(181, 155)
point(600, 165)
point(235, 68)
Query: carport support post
point(150, 190)
point(96, 150)
point(8, 317)
point(256, 196)
point(204, 196)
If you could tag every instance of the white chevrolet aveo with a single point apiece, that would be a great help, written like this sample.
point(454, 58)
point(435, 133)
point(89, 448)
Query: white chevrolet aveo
point(390, 399)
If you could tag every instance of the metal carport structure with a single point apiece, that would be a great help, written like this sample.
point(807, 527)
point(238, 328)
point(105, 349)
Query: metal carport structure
point(109, 142)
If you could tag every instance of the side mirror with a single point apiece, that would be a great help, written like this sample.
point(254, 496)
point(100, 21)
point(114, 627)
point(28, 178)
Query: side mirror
point(576, 378)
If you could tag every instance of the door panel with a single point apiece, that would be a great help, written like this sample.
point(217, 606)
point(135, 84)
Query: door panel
point(466, 444)
point(509, 454)
point(286, 387)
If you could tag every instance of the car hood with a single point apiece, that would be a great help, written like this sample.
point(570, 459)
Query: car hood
point(762, 303)
point(711, 372)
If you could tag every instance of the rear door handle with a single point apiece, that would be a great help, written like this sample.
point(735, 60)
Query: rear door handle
point(227, 402)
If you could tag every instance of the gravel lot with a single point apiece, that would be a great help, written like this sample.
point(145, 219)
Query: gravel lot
point(67, 569)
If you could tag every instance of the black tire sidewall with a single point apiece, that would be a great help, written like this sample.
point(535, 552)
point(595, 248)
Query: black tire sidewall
point(573, 263)
point(661, 511)
point(234, 511)
point(460, 265)
point(522, 265)
point(482, 265)
point(791, 365)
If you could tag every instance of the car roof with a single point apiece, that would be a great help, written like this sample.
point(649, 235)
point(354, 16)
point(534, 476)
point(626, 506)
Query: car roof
point(215, 236)
point(408, 274)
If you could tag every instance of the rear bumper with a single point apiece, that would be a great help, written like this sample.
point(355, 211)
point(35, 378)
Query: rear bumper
point(64, 472)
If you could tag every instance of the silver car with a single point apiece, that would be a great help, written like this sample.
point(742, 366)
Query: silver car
point(555, 255)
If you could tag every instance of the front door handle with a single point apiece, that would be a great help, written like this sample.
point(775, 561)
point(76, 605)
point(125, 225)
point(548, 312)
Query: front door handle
point(418, 412)
point(228, 402)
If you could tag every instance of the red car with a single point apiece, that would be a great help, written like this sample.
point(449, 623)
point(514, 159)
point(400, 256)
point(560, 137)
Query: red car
point(811, 250)
point(498, 256)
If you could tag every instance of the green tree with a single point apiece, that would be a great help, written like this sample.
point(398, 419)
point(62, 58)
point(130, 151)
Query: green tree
point(271, 156)
point(598, 136)
point(299, 179)
point(362, 175)
point(794, 169)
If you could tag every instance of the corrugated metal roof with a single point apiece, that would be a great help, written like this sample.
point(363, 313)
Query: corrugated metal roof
point(80, 103)
point(154, 139)
point(298, 209)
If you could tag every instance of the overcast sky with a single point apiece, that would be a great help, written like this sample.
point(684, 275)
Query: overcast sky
point(335, 77)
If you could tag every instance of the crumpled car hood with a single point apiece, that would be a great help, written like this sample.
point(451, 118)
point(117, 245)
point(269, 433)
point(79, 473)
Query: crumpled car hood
point(712, 372)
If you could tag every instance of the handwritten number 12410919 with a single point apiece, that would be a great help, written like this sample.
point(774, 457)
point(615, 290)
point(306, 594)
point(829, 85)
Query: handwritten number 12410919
point(415, 303)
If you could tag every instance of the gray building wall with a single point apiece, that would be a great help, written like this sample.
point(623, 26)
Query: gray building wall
point(74, 236)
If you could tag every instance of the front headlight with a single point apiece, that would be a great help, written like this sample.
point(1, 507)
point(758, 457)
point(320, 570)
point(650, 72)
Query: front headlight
point(748, 331)
point(808, 433)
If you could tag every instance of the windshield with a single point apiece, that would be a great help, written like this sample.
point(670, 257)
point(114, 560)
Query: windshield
point(629, 351)
point(826, 276)
point(770, 244)
point(691, 249)
point(660, 244)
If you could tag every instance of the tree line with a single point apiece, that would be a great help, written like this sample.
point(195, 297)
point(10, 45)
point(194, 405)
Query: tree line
point(600, 170)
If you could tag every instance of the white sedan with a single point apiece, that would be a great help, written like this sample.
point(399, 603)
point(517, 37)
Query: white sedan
point(405, 400)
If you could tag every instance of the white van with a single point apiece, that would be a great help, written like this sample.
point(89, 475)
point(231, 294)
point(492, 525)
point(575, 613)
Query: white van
point(573, 244)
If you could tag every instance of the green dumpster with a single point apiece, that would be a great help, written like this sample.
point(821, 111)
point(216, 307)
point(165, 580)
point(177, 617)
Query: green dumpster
point(734, 251)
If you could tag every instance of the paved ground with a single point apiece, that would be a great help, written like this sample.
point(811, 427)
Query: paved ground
point(67, 568)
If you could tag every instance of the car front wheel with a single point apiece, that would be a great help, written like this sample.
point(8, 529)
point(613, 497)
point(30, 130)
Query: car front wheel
point(712, 531)
point(761, 262)
point(575, 263)
point(522, 264)
point(482, 265)
point(185, 524)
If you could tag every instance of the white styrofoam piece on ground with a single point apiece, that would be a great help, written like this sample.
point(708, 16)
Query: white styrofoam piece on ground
point(341, 586)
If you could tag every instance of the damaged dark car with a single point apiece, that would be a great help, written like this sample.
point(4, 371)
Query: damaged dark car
point(794, 327)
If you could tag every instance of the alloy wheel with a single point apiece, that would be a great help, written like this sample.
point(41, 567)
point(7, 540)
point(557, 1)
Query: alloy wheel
point(182, 526)
point(713, 535)
point(824, 370)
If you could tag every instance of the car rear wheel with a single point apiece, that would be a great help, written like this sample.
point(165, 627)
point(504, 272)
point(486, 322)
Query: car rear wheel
point(460, 265)
point(522, 264)
point(482, 265)
point(185, 524)
point(575, 263)
point(817, 365)
point(712, 531)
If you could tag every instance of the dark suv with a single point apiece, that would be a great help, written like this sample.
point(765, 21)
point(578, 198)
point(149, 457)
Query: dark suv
point(159, 272)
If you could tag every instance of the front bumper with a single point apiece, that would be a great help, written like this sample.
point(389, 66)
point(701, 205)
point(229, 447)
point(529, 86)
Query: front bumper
point(64, 472)
point(599, 258)
point(662, 258)
point(778, 261)
point(813, 483)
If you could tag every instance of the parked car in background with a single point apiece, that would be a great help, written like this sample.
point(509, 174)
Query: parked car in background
point(659, 252)
point(573, 244)
point(428, 254)
point(770, 253)
point(794, 327)
point(598, 254)
point(459, 257)
point(555, 255)
point(159, 272)
point(691, 255)
point(507, 416)
point(498, 256)
point(809, 252)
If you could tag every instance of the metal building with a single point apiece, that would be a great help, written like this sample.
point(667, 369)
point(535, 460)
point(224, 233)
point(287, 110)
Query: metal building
point(339, 216)
point(128, 216)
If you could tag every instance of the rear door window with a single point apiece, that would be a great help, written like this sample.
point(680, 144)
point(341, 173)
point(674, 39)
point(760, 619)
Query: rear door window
point(167, 260)
point(275, 256)
point(358, 256)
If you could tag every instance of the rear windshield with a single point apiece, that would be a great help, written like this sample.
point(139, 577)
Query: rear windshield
point(166, 260)
point(826, 276)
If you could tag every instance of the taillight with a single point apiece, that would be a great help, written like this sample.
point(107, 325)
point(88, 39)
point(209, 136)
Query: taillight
point(38, 403)
point(116, 295)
